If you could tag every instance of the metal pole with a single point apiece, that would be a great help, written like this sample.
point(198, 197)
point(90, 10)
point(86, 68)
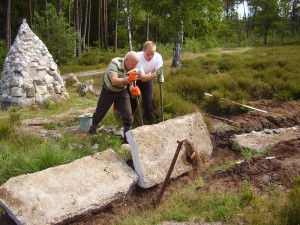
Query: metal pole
point(247, 106)
point(161, 103)
point(139, 107)
point(180, 142)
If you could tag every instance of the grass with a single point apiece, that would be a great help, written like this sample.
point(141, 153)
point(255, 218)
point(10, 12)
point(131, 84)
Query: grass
point(188, 204)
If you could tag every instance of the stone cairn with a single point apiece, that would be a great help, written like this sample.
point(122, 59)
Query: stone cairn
point(30, 76)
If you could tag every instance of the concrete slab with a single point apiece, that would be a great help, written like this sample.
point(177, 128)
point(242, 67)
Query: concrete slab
point(57, 194)
point(153, 147)
point(262, 140)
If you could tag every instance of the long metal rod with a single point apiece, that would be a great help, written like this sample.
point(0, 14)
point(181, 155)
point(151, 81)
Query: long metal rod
point(140, 111)
point(180, 142)
point(247, 106)
point(161, 103)
point(139, 107)
point(220, 118)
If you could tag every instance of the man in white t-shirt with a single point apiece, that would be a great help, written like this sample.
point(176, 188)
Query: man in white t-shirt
point(150, 63)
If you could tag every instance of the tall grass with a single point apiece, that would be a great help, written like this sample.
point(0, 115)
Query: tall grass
point(188, 204)
point(290, 213)
point(22, 153)
point(260, 73)
point(26, 153)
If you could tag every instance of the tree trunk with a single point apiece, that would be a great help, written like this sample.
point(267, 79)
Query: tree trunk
point(148, 27)
point(8, 23)
point(30, 13)
point(116, 27)
point(89, 25)
point(69, 11)
point(266, 34)
point(105, 32)
point(129, 26)
point(80, 16)
point(100, 39)
point(178, 45)
point(76, 13)
point(59, 6)
point(34, 9)
point(85, 24)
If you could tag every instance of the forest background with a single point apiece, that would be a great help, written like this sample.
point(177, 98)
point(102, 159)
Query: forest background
point(110, 25)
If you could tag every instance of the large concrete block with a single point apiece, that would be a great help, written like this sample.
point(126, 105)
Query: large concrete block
point(153, 147)
point(57, 194)
point(262, 140)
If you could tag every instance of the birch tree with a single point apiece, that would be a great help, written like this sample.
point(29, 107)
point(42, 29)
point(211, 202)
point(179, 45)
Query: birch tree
point(129, 26)
point(77, 27)
point(59, 6)
point(85, 24)
point(8, 23)
point(116, 27)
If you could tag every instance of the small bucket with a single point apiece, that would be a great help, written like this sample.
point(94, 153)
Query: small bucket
point(85, 122)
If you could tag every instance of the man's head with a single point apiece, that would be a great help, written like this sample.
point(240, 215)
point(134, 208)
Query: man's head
point(149, 49)
point(131, 60)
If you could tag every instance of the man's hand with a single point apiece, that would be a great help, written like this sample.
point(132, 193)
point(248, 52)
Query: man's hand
point(135, 91)
point(160, 78)
point(160, 75)
point(132, 75)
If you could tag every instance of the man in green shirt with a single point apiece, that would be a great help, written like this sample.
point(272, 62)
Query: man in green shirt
point(121, 73)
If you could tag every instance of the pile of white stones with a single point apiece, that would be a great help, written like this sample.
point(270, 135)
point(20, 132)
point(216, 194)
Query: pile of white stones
point(30, 76)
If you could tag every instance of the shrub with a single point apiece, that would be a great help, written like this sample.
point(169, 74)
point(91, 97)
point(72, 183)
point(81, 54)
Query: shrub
point(50, 126)
point(290, 213)
point(191, 89)
point(227, 63)
point(192, 45)
point(219, 105)
point(58, 36)
point(3, 51)
point(165, 50)
point(15, 115)
point(246, 195)
point(174, 105)
point(88, 58)
point(6, 129)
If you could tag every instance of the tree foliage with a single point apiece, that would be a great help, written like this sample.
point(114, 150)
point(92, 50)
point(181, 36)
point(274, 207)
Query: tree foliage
point(56, 33)
point(209, 22)
point(3, 51)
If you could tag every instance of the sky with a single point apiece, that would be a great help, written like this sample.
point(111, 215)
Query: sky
point(241, 9)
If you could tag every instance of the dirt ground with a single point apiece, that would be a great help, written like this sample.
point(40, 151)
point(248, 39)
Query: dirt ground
point(278, 169)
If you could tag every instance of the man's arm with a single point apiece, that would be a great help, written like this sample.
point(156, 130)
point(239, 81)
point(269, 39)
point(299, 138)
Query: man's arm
point(147, 77)
point(116, 81)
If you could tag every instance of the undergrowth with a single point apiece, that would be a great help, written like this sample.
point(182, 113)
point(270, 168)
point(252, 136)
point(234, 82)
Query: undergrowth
point(191, 205)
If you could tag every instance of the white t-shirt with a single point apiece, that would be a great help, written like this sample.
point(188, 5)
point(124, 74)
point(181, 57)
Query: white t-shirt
point(155, 63)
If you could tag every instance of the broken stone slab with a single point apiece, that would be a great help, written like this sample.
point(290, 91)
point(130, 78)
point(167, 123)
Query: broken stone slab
point(261, 140)
point(153, 147)
point(61, 193)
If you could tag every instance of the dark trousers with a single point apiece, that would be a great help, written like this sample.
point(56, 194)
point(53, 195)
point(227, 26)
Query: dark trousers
point(146, 89)
point(106, 99)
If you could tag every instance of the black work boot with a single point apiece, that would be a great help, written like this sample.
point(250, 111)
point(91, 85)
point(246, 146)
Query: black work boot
point(125, 129)
point(93, 129)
